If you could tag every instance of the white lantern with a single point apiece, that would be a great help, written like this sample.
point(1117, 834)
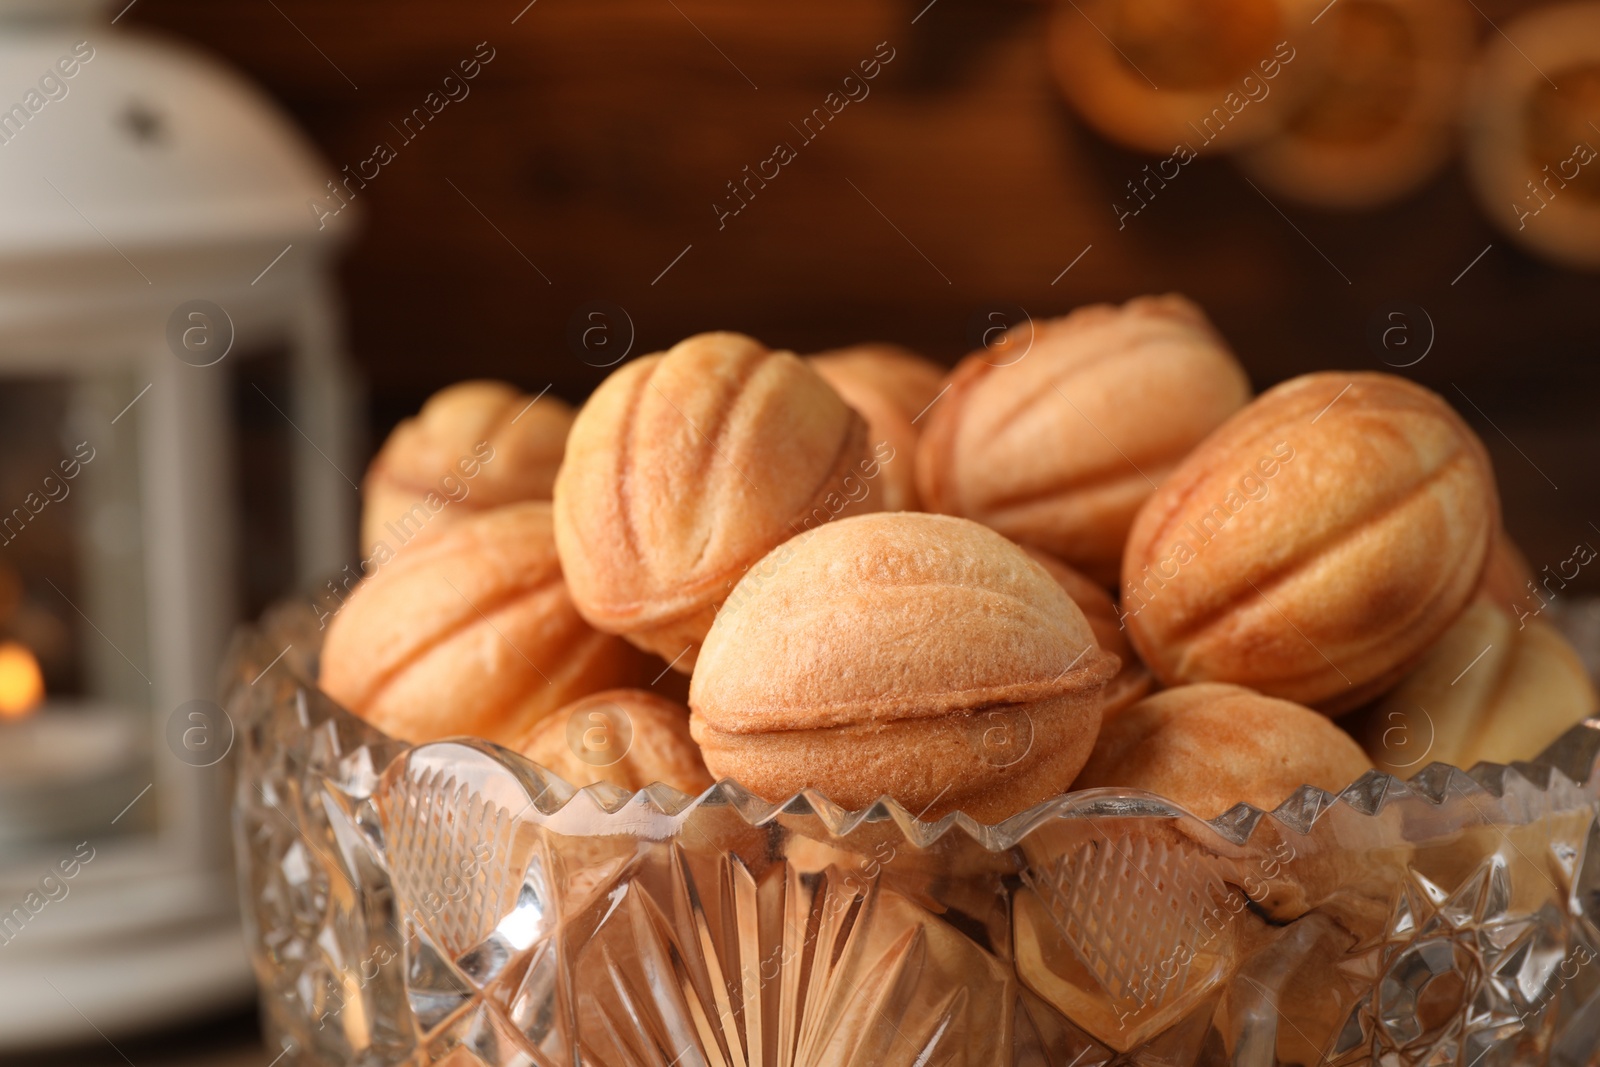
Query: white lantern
point(155, 233)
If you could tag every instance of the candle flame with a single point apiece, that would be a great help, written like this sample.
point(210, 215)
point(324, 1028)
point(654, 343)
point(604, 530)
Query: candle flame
point(21, 683)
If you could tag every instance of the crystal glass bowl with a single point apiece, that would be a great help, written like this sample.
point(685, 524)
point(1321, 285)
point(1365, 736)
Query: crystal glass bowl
point(452, 903)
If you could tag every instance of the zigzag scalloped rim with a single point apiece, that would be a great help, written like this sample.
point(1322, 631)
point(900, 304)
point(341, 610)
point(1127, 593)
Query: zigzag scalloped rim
point(1368, 795)
point(1565, 769)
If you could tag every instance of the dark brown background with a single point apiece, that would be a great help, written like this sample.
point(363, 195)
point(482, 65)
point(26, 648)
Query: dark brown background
point(598, 138)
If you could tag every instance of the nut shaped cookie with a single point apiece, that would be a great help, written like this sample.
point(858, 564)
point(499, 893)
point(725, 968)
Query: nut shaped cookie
point(1315, 545)
point(891, 388)
point(1208, 747)
point(686, 467)
point(1507, 579)
point(1133, 681)
point(474, 446)
point(628, 737)
point(1059, 443)
point(471, 632)
point(1490, 689)
point(921, 657)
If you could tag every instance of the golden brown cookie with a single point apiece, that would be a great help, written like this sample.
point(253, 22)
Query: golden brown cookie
point(1490, 689)
point(629, 737)
point(1208, 747)
point(890, 387)
point(1059, 442)
point(686, 467)
point(1507, 578)
point(473, 446)
point(471, 632)
point(1315, 545)
point(915, 656)
point(1133, 681)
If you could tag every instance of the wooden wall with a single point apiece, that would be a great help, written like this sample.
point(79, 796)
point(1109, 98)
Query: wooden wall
point(591, 150)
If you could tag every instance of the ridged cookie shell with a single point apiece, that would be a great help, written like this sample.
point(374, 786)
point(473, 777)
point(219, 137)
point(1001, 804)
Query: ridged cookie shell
point(1362, 546)
point(892, 616)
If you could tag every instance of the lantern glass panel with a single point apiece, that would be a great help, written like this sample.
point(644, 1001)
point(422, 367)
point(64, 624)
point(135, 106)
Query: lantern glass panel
point(260, 393)
point(75, 689)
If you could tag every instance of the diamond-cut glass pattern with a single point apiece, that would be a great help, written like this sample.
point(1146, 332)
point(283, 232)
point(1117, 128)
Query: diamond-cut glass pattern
point(455, 904)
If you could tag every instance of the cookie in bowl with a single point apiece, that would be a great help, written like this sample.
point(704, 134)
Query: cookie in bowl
point(474, 446)
point(1058, 443)
point(1316, 545)
point(628, 737)
point(1133, 681)
point(892, 388)
point(1208, 747)
point(1205, 748)
point(471, 632)
point(686, 467)
point(1492, 689)
point(1507, 579)
point(919, 657)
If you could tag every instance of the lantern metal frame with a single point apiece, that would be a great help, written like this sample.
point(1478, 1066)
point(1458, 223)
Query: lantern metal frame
point(157, 179)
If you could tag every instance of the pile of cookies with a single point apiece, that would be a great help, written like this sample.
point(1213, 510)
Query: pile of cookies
point(1086, 557)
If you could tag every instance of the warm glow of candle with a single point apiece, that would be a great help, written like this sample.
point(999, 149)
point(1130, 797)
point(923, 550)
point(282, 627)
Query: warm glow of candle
point(21, 684)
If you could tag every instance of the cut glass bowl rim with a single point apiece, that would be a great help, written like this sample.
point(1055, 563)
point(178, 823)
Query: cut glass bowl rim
point(1367, 795)
point(1563, 773)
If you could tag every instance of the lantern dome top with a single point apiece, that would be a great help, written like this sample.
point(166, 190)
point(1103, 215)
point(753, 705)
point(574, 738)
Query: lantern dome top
point(121, 139)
